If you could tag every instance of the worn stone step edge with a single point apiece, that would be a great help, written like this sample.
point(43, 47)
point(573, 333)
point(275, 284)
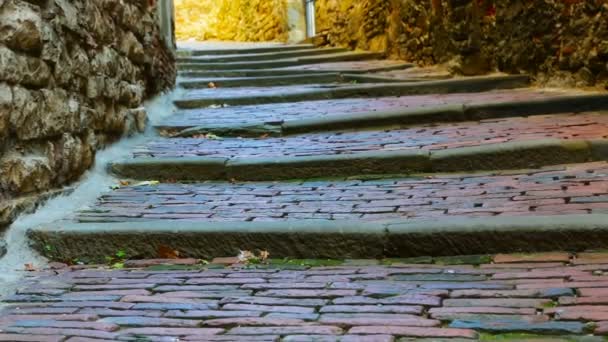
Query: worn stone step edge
point(504, 156)
point(278, 72)
point(288, 62)
point(468, 85)
point(283, 80)
point(334, 239)
point(260, 56)
point(229, 51)
point(408, 117)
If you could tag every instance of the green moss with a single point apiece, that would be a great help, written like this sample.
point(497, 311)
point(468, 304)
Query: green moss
point(524, 337)
point(464, 260)
point(407, 261)
point(550, 304)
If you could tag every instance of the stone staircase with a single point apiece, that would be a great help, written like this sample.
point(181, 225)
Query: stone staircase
point(384, 195)
point(328, 166)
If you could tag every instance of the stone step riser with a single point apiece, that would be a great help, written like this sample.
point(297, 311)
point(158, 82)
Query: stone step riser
point(260, 56)
point(472, 85)
point(324, 238)
point(505, 156)
point(407, 117)
point(269, 64)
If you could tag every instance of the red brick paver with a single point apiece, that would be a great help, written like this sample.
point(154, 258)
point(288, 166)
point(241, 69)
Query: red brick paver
point(94, 303)
point(573, 189)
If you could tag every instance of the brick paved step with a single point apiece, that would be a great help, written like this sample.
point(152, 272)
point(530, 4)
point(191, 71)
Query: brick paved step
point(251, 50)
point(281, 63)
point(254, 121)
point(277, 114)
point(352, 67)
point(512, 143)
point(528, 210)
point(270, 81)
point(245, 96)
point(248, 57)
point(354, 300)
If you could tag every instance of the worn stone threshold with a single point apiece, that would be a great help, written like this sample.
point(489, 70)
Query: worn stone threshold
point(332, 239)
point(282, 63)
point(468, 85)
point(407, 117)
point(248, 57)
point(502, 156)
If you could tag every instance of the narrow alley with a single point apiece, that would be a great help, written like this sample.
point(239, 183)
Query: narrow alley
point(307, 194)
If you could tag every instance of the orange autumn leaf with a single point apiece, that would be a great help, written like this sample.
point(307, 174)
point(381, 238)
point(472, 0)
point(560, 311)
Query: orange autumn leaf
point(165, 252)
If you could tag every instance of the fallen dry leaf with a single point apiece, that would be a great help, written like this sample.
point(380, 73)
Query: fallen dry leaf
point(30, 268)
point(264, 255)
point(165, 252)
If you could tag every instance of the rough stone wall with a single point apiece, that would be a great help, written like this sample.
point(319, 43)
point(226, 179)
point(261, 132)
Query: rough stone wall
point(232, 20)
point(73, 75)
point(562, 42)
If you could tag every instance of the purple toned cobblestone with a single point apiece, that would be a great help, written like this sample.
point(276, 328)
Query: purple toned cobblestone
point(572, 189)
point(290, 314)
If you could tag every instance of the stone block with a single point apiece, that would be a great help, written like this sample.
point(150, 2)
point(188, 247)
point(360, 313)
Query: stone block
point(21, 25)
point(6, 105)
point(25, 174)
point(18, 68)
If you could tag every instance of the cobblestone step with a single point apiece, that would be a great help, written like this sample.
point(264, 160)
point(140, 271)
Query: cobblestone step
point(288, 300)
point(247, 50)
point(529, 210)
point(260, 95)
point(511, 143)
point(347, 110)
point(272, 81)
point(300, 118)
point(574, 189)
point(351, 67)
point(240, 57)
point(280, 63)
point(156, 235)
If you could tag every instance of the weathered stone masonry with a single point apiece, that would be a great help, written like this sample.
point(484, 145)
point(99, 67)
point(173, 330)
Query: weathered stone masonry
point(73, 75)
point(560, 42)
point(239, 20)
